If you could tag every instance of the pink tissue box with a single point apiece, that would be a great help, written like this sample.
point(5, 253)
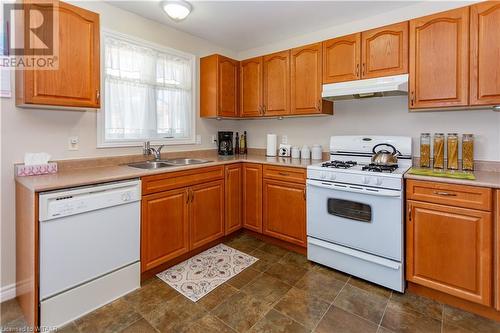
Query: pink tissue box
point(34, 170)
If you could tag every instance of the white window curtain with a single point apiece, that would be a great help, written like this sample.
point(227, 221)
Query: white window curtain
point(148, 93)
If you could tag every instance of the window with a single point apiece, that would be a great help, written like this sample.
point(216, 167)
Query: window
point(148, 94)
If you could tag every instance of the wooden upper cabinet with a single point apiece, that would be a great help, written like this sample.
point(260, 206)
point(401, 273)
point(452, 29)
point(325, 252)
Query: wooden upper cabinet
point(164, 227)
point(76, 81)
point(252, 196)
point(206, 213)
point(276, 84)
point(233, 197)
point(306, 81)
point(485, 53)
point(251, 75)
point(439, 60)
point(219, 86)
point(341, 59)
point(450, 249)
point(384, 51)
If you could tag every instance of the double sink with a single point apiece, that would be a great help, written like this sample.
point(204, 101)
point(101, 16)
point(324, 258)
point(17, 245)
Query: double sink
point(158, 164)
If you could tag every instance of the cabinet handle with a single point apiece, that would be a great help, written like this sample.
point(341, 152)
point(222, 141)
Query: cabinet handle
point(318, 106)
point(357, 70)
point(283, 174)
point(409, 213)
point(412, 95)
point(445, 194)
point(97, 94)
point(305, 194)
point(264, 109)
point(187, 196)
point(364, 69)
point(260, 109)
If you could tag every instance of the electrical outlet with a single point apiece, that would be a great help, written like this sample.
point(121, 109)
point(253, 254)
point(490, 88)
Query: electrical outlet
point(214, 140)
point(73, 143)
point(198, 139)
point(284, 139)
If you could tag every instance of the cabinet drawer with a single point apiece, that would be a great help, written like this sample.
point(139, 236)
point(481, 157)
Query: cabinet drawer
point(450, 194)
point(297, 175)
point(172, 180)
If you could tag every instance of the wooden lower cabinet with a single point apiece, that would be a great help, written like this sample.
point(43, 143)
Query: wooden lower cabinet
point(252, 196)
point(206, 213)
point(164, 228)
point(450, 249)
point(284, 211)
point(233, 198)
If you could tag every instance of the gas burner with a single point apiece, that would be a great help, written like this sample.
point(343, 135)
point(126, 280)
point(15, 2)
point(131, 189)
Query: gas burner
point(339, 164)
point(379, 168)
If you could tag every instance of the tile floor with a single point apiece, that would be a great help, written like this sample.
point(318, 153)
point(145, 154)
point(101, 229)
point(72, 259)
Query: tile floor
point(282, 292)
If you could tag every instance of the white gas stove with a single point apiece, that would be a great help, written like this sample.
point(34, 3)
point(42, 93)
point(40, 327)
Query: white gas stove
point(355, 209)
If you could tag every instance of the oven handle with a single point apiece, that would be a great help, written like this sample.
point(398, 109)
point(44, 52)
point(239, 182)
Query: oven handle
point(355, 189)
point(357, 254)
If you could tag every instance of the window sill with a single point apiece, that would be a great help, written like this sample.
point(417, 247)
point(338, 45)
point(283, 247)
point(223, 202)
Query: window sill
point(125, 144)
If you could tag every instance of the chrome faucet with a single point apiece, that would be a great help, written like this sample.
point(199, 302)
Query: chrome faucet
point(148, 150)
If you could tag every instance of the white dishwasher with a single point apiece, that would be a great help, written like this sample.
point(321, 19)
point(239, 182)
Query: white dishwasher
point(89, 248)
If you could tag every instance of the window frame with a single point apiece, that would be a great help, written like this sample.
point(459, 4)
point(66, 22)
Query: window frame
point(101, 141)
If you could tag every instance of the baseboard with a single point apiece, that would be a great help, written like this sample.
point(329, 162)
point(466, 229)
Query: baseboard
point(7, 292)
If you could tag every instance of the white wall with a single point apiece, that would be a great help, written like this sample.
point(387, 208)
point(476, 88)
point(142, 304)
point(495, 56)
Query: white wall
point(381, 116)
point(29, 130)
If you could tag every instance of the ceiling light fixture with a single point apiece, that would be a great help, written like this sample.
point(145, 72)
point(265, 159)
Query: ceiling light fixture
point(177, 10)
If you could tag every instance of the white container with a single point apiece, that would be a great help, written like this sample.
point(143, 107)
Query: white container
point(295, 152)
point(305, 153)
point(317, 152)
point(272, 145)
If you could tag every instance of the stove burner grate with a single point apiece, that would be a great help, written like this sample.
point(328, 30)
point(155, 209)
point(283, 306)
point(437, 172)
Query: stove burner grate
point(380, 168)
point(339, 164)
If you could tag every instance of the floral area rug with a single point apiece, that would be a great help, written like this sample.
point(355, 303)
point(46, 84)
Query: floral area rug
point(199, 275)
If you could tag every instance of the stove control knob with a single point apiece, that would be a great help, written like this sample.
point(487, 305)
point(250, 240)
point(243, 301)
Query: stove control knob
point(378, 181)
point(366, 180)
point(333, 176)
point(323, 175)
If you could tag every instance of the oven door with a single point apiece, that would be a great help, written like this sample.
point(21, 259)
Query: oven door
point(363, 218)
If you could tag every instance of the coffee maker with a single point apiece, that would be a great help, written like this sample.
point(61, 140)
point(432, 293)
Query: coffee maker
point(225, 143)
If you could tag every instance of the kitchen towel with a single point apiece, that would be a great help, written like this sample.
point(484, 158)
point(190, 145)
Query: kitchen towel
point(272, 144)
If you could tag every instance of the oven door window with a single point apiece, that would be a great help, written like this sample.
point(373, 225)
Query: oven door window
point(351, 210)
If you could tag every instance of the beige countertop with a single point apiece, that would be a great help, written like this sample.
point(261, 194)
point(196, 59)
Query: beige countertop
point(100, 174)
point(483, 179)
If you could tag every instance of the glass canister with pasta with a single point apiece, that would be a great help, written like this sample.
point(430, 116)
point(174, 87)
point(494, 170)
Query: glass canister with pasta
point(452, 151)
point(468, 152)
point(438, 151)
point(425, 150)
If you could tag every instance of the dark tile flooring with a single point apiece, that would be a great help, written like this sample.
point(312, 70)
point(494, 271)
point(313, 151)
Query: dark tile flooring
point(282, 292)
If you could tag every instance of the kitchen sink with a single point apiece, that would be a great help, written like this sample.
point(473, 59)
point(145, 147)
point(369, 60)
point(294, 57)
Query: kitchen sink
point(167, 163)
point(186, 161)
point(150, 165)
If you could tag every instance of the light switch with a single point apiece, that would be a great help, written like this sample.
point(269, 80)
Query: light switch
point(73, 143)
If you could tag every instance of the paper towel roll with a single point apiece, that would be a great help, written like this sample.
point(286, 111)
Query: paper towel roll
point(272, 145)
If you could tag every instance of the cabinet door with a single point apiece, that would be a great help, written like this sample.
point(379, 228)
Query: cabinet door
point(384, 51)
point(485, 53)
point(306, 79)
point(252, 196)
point(450, 249)
point(207, 213)
point(284, 211)
point(439, 60)
point(164, 227)
point(341, 59)
point(251, 87)
point(277, 84)
point(233, 197)
point(497, 250)
point(76, 81)
point(228, 87)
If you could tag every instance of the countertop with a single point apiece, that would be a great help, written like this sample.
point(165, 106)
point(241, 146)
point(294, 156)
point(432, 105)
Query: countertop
point(483, 179)
point(102, 174)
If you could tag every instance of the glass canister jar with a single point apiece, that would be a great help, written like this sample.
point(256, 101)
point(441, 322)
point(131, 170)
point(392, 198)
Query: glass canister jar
point(468, 152)
point(425, 150)
point(452, 151)
point(438, 151)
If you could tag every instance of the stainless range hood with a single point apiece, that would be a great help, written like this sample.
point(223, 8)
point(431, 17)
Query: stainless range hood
point(396, 85)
